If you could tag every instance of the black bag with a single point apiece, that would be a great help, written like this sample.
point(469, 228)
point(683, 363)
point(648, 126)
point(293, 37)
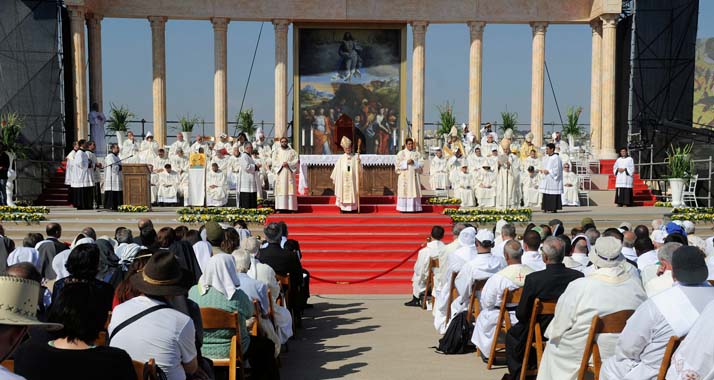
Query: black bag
point(457, 336)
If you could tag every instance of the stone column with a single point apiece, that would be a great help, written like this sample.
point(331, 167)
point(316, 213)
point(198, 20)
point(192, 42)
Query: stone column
point(79, 71)
point(475, 80)
point(537, 76)
point(158, 60)
point(595, 94)
point(281, 78)
point(419, 36)
point(220, 96)
point(94, 31)
point(609, 31)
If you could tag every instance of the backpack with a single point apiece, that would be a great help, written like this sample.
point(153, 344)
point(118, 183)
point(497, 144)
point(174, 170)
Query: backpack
point(457, 336)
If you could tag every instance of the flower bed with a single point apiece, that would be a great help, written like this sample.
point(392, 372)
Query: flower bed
point(443, 201)
point(130, 208)
point(22, 217)
point(225, 211)
point(520, 215)
point(662, 204)
point(693, 210)
point(24, 209)
point(203, 218)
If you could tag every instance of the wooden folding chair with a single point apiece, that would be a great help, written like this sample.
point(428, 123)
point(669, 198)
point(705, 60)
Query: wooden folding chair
point(433, 263)
point(672, 345)
point(474, 303)
point(608, 324)
point(271, 310)
point(503, 322)
point(9, 364)
point(535, 335)
point(453, 293)
point(145, 371)
point(257, 312)
point(220, 319)
point(283, 297)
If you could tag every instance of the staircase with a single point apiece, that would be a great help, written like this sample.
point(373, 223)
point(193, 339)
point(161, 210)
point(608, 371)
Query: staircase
point(55, 193)
point(351, 247)
point(641, 192)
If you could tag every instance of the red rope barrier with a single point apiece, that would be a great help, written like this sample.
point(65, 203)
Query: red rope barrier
point(416, 251)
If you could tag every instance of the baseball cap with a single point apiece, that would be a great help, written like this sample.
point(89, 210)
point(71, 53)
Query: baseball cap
point(485, 237)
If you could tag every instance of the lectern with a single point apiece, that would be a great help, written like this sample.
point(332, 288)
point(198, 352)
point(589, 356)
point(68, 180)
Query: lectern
point(136, 186)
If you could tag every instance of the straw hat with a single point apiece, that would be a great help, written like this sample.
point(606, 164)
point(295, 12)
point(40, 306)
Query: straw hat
point(606, 252)
point(19, 298)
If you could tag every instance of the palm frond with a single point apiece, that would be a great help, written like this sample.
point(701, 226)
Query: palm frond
point(508, 120)
point(10, 133)
point(446, 119)
point(572, 128)
point(119, 119)
point(245, 123)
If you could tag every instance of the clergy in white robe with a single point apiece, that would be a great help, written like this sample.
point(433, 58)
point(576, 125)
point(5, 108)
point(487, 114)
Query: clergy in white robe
point(247, 180)
point(456, 260)
point(421, 265)
point(488, 144)
point(216, 187)
point(222, 159)
point(438, 172)
point(571, 195)
point(551, 185)
point(346, 178)
point(530, 183)
point(169, 182)
point(444, 254)
point(199, 144)
point(95, 172)
point(475, 160)
point(693, 358)
point(464, 188)
point(486, 190)
point(641, 345)
point(506, 182)
point(96, 129)
point(113, 192)
point(454, 165)
point(223, 143)
point(481, 267)
point(129, 151)
point(149, 149)
point(608, 289)
point(81, 182)
point(158, 165)
point(408, 166)
point(179, 144)
point(527, 147)
point(624, 170)
point(533, 161)
point(510, 277)
point(285, 164)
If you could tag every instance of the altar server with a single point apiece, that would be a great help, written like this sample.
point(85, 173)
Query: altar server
point(610, 288)
point(486, 189)
point(81, 182)
point(247, 180)
point(551, 185)
point(511, 277)
point(624, 170)
point(571, 193)
point(180, 144)
point(216, 187)
point(421, 266)
point(129, 152)
point(169, 182)
point(408, 166)
point(113, 192)
point(285, 164)
point(530, 184)
point(346, 176)
point(149, 149)
point(464, 188)
point(438, 172)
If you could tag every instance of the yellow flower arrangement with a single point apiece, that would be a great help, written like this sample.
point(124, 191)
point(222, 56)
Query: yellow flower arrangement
point(131, 208)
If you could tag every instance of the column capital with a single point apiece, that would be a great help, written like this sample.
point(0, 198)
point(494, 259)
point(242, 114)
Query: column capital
point(609, 20)
point(476, 28)
point(157, 21)
point(539, 27)
point(419, 26)
point(281, 25)
point(596, 26)
point(76, 13)
point(94, 19)
point(220, 23)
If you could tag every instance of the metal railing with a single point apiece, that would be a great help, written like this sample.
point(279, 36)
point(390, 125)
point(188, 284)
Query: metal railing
point(32, 176)
point(206, 128)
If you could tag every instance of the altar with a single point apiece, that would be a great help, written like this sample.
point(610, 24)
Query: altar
point(379, 176)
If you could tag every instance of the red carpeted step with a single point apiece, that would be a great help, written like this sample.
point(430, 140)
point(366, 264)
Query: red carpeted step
point(356, 219)
point(336, 228)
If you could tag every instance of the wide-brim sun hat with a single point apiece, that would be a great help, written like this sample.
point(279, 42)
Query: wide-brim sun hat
point(606, 252)
point(162, 276)
point(19, 298)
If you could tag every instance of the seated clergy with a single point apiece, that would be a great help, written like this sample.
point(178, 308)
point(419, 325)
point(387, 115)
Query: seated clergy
point(421, 266)
point(570, 196)
point(463, 183)
point(641, 345)
point(438, 172)
point(664, 279)
point(157, 163)
point(510, 277)
point(529, 187)
point(169, 182)
point(608, 289)
point(216, 187)
point(547, 284)
point(486, 191)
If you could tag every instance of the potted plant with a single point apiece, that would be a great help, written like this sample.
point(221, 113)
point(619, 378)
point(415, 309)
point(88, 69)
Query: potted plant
point(681, 168)
point(508, 121)
point(186, 124)
point(119, 122)
point(245, 123)
point(572, 129)
point(12, 125)
point(446, 121)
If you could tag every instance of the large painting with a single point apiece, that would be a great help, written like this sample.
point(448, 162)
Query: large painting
point(703, 113)
point(350, 83)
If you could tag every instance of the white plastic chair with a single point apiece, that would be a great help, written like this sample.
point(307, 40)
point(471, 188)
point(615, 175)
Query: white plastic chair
point(690, 194)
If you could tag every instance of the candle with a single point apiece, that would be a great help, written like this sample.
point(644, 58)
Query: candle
point(303, 138)
point(394, 137)
point(311, 136)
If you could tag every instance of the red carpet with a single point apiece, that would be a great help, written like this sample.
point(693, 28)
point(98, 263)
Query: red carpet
point(641, 192)
point(351, 247)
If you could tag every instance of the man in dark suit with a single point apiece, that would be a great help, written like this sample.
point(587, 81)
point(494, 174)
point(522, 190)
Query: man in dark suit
point(281, 261)
point(547, 284)
point(49, 248)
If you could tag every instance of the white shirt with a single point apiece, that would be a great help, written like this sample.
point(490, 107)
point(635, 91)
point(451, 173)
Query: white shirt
point(693, 358)
point(166, 335)
point(533, 259)
point(646, 259)
point(629, 253)
point(5, 374)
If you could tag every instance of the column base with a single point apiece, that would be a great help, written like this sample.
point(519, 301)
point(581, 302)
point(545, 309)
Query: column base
point(605, 155)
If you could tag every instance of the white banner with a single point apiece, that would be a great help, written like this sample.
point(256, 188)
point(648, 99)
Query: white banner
point(196, 186)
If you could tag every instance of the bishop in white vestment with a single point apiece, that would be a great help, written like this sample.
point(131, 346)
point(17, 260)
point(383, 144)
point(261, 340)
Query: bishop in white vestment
point(149, 149)
point(624, 170)
point(530, 184)
point(571, 194)
point(408, 168)
point(216, 187)
point(486, 190)
point(346, 177)
point(179, 144)
point(285, 164)
point(438, 172)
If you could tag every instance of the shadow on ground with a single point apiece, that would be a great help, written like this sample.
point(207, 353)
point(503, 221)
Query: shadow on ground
point(309, 356)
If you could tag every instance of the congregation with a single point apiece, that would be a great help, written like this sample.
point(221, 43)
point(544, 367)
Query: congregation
point(560, 304)
point(152, 297)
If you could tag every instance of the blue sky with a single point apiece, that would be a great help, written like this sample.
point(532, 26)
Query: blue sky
point(126, 59)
